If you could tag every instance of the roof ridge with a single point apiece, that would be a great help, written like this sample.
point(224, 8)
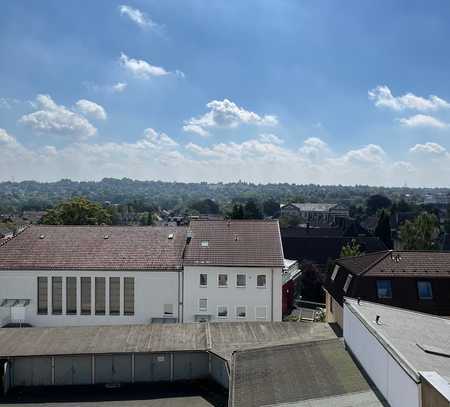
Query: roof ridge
point(374, 263)
point(15, 235)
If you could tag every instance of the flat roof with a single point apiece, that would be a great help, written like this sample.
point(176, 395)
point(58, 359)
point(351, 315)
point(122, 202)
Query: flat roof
point(420, 342)
point(319, 373)
point(220, 338)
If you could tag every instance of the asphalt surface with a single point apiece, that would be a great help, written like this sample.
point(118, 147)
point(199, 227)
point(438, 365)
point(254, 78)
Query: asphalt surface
point(197, 394)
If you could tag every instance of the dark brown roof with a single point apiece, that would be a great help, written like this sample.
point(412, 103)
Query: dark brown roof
point(400, 263)
point(251, 243)
point(94, 248)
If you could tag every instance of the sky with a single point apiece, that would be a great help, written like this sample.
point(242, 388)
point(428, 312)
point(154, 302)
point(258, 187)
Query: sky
point(311, 91)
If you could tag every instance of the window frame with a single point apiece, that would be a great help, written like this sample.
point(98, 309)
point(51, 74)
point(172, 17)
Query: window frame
point(200, 309)
point(218, 280)
point(265, 281)
point(200, 280)
point(245, 280)
point(428, 282)
point(347, 283)
point(245, 310)
point(265, 312)
point(384, 297)
point(223, 317)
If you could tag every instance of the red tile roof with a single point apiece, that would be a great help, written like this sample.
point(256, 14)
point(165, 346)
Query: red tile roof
point(400, 263)
point(94, 248)
point(248, 243)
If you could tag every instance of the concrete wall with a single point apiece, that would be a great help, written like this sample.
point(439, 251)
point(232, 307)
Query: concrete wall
point(219, 371)
point(394, 383)
point(250, 296)
point(334, 311)
point(152, 291)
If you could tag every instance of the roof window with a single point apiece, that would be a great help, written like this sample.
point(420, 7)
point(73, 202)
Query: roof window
point(204, 243)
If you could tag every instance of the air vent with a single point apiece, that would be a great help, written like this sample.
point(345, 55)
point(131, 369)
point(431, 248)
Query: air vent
point(42, 237)
point(106, 237)
point(170, 237)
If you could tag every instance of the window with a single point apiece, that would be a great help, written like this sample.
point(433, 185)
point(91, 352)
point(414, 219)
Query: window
point(203, 280)
point(203, 304)
point(241, 280)
point(261, 313)
point(168, 309)
point(128, 295)
point(223, 280)
point(347, 282)
point(71, 295)
point(424, 289)
point(261, 281)
point(204, 243)
point(241, 311)
point(222, 311)
point(56, 295)
point(85, 295)
point(335, 271)
point(42, 295)
point(114, 296)
point(384, 289)
point(100, 293)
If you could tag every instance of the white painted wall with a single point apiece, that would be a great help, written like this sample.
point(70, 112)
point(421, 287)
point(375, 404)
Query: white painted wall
point(398, 388)
point(232, 296)
point(152, 291)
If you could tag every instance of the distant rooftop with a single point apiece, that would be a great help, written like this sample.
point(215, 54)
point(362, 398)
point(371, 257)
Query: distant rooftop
point(400, 263)
point(314, 207)
point(421, 342)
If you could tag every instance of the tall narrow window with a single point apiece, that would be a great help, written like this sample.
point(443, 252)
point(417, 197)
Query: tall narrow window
point(85, 295)
point(241, 280)
point(203, 280)
point(128, 295)
point(261, 281)
point(347, 282)
point(42, 295)
point(223, 280)
point(71, 295)
point(203, 304)
point(56, 295)
point(335, 271)
point(100, 292)
point(114, 296)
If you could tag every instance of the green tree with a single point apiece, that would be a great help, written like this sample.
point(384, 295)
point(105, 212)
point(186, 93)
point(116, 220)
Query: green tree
point(271, 208)
point(251, 210)
point(421, 233)
point(351, 249)
point(77, 211)
point(206, 206)
point(376, 202)
point(290, 221)
point(383, 229)
point(237, 212)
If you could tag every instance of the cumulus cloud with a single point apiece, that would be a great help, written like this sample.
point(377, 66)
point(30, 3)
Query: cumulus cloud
point(89, 108)
point(53, 119)
point(6, 139)
point(382, 97)
point(226, 114)
point(119, 87)
point(428, 148)
point(270, 138)
point(314, 148)
point(140, 68)
point(422, 120)
point(137, 16)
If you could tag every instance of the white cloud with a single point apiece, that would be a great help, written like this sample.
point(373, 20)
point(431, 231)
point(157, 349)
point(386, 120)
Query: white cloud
point(6, 139)
point(137, 16)
point(140, 68)
point(90, 108)
point(428, 148)
point(8, 103)
point(382, 97)
point(119, 87)
point(422, 120)
point(314, 148)
point(270, 138)
point(196, 129)
point(226, 114)
point(53, 119)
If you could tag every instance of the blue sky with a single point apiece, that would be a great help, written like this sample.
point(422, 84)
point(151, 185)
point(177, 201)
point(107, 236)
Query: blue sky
point(266, 91)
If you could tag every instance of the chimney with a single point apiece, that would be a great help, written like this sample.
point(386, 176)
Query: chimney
point(188, 236)
point(377, 320)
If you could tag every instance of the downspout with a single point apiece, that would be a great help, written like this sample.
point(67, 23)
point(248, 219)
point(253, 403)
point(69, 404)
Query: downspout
point(271, 293)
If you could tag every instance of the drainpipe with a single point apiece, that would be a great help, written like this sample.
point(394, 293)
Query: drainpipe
point(271, 293)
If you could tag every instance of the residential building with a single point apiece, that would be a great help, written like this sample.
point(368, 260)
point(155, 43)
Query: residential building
point(102, 275)
point(315, 213)
point(404, 353)
point(233, 271)
point(415, 280)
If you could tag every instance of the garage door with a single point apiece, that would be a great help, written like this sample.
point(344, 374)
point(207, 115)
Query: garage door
point(73, 370)
point(32, 371)
point(113, 369)
point(150, 367)
point(190, 365)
